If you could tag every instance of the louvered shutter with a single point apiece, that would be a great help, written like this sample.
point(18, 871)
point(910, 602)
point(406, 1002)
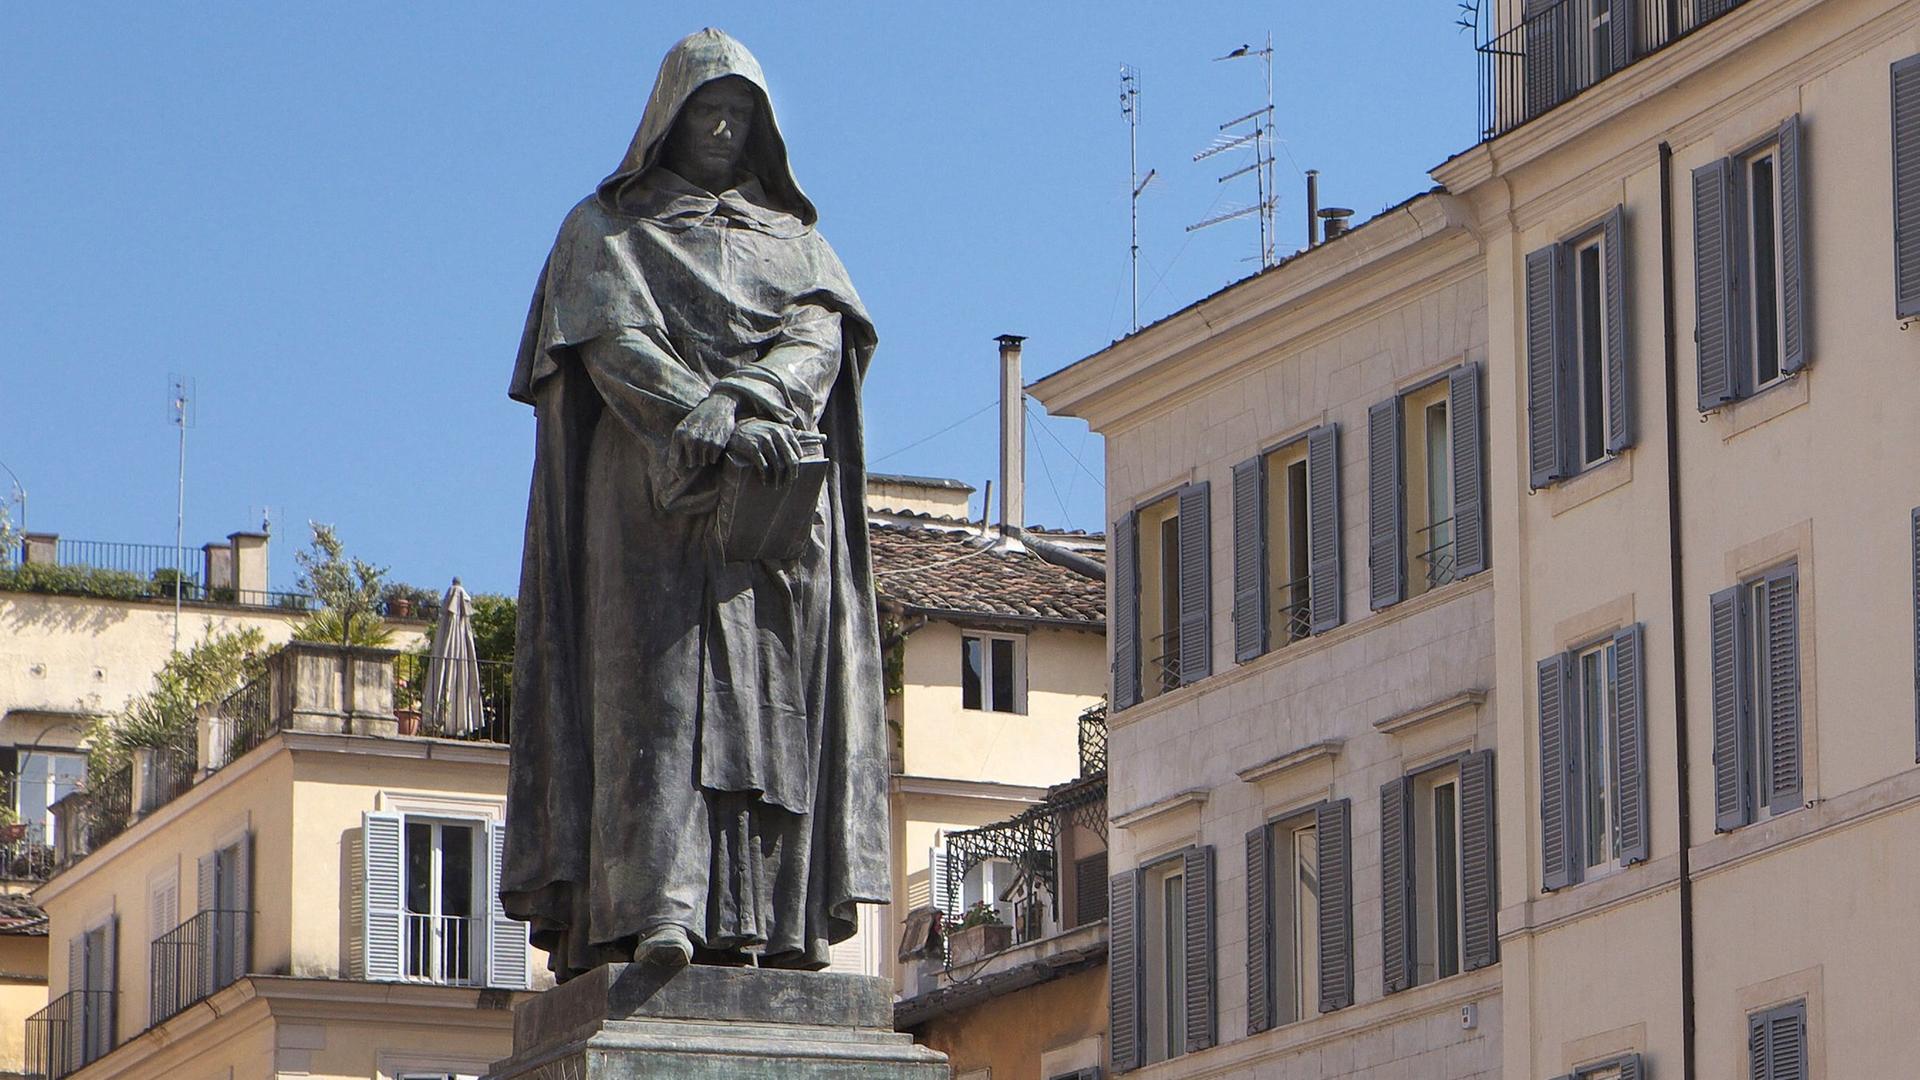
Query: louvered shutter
point(1544, 62)
point(1386, 544)
point(1465, 420)
point(1556, 775)
point(507, 952)
point(1630, 746)
point(1793, 235)
point(1330, 822)
point(1249, 560)
point(207, 874)
point(1619, 351)
point(1630, 1067)
point(77, 962)
point(235, 927)
point(1726, 650)
point(1123, 971)
point(1196, 592)
point(78, 1009)
point(1323, 527)
point(1090, 889)
point(1915, 525)
point(1479, 863)
point(1777, 1043)
point(1124, 613)
point(105, 1006)
point(1783, 689)
point(1621, 26)
point(1196, 879)
point(1397, 962)
point(940, 888)
point(1546, 385)
point(382, 884)
point(1905, 79)
point(1259, 929)
point(1716, 326)
point(1758, 1067)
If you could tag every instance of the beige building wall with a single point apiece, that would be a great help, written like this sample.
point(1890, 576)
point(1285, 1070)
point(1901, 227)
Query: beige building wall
point(1332, 716)
point(1810, 904)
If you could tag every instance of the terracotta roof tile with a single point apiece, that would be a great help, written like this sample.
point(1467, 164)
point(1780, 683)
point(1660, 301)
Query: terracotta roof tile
point(950, 570)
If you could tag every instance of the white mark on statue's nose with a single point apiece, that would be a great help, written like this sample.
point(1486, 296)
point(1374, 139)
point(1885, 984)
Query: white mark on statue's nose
point(720, 128)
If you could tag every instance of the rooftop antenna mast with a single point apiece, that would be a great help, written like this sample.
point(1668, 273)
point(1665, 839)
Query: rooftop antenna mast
point(1258, 135)
point(1130, 108)
point(181, 414)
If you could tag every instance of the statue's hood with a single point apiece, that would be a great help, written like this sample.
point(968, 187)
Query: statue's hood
point(697, 60)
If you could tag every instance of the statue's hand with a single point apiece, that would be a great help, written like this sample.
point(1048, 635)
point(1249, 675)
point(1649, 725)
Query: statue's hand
point(770, 446)
point(702, 437)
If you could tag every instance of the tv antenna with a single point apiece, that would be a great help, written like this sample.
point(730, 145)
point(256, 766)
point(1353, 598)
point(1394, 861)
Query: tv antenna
point(1130, 108)
point(182, 413)
point(1257, 134)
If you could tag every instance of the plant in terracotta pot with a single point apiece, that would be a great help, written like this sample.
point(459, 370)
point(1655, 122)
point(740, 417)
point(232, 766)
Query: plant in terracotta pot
point(981, 933)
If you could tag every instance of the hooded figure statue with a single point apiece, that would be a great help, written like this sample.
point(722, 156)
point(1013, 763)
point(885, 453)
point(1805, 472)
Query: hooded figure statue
point(699, 760)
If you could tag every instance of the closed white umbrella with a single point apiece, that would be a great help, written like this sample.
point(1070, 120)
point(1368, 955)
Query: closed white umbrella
point(451, 701)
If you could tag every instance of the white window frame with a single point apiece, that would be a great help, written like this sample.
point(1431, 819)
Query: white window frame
point(1751, 624)
point(1590, 332)
point(1429, 524)
point(1018, 706)
point(1296, 918)
point(435, 952)
point(1748, 270)
point(1429, 895)
point(1163, 1012)
point(1596, 748)
point(1289, 618)
point(40, 831)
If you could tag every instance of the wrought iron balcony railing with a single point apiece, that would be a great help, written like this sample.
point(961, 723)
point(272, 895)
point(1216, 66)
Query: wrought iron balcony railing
point(1561, 48)
point(1093, 740)
point(73, 1031)
point(201, 956)
point(440, 949)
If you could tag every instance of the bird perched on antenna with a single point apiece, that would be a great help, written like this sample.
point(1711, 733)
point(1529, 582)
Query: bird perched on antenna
point(1239, 52)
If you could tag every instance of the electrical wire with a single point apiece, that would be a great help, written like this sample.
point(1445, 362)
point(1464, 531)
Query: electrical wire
point(933, 435)
point(1066, 517)
point(1076, 458)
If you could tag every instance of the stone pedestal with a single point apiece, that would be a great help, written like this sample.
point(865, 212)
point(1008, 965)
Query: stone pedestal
point(642, 1022)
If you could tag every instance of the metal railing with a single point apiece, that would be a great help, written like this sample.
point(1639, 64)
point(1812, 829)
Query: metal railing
point(26, 852)
point(1437, 556)
point(1562, 49)
point(1093, 740)
point(109, 808)
point(1030, 840)
point(72, 1032)
point(1163, 670)
point(201, 956)
point(440, 949)
point(145, 571)
point(1296, 612)
point(496, 696)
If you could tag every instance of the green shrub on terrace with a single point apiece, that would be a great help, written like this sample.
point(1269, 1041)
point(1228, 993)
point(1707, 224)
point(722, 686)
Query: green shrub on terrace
point(76, 581)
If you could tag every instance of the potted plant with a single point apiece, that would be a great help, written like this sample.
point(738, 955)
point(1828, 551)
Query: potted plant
point(981, 933)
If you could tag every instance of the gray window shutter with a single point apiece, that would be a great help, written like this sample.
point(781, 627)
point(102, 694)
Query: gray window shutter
point(1386, 541)
point(1730, 796)
point(1716, 325)
point(1906, 188)
point(1777, 1043)
point(1545, 60)
point(1546, 397)
point(236, 929)
point(1793, 236)
point(382, 870)
point(1196, 580)
point(76, 1033)
point(206, 876)
point(1556, 775)
point(77, 962)
point(1619, 350)
point(1479, 863)
point(1621, 25)
point(1249, 560)
point(506, 937)
point(109, 1024)
point(1630, 1067)
point(1336, 903)
point(1124, 615)
point(1396, 884)
point(1465, 418)
point(1196, 879)
point(1259, 929)
point(1630, 746)
point(1123, 970)
point(940, 887)
point(1323, 527)
point(1783, 689)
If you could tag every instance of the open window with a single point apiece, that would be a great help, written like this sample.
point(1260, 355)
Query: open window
point(1286, 543)
point(1161, 617)
point(993, 672)
point(1749, 268)
point(1426, 508)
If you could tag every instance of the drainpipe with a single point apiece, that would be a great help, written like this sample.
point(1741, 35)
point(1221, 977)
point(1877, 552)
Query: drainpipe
point(1683, 798)
point(1013, 468)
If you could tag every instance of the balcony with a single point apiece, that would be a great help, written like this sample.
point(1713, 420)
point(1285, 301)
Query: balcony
point(1560, 49)
point(230, 575)
point(73, 1031)
point(201, 956)
point(440, 950)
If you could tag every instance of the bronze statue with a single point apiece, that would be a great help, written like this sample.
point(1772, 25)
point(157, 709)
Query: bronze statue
point(699, 759)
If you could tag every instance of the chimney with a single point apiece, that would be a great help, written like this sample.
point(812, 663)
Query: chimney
point(1013, 458)
point(1313, 208)
point(1336, 218)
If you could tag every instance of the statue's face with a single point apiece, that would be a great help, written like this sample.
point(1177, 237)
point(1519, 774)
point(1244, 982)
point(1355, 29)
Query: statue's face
point(710, 136)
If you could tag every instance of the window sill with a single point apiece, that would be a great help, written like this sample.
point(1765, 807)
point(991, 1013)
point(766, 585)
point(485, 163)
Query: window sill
point(1595, 481)
point(1619, 886)
point(1739, 417)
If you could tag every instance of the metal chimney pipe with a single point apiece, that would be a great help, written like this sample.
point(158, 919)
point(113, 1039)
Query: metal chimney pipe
point(1013, 459)
point(1313, 208)
point(1338, 219)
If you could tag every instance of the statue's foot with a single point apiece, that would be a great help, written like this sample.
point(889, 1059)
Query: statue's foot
point(666, 945)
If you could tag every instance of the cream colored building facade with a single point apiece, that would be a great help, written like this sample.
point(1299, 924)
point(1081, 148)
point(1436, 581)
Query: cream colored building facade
point(1684, 261)
point(322, 904)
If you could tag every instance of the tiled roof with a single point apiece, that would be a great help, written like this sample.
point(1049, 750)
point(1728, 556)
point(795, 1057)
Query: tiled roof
point(959, 571)
point(20, 915)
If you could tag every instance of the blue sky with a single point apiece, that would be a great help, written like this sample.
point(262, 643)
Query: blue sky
point(332, 215)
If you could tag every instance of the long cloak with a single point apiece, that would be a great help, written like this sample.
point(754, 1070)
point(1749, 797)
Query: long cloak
point(694, 742)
